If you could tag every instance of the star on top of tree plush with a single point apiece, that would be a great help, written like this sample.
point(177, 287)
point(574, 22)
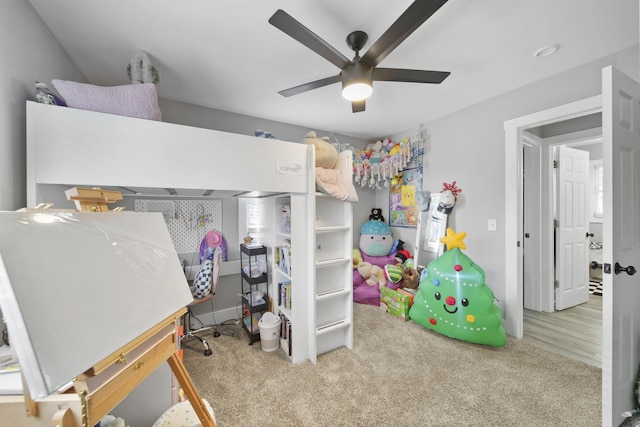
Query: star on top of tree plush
point(454, 240)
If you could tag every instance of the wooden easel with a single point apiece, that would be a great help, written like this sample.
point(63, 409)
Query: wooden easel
point(92, 199)
point(96, 391)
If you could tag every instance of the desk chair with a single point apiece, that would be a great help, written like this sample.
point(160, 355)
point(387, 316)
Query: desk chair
point(191, 333)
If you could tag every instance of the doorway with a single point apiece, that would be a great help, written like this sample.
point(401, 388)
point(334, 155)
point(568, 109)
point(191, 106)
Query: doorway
point(540, 148)
point(514, 204)
point(574, 332)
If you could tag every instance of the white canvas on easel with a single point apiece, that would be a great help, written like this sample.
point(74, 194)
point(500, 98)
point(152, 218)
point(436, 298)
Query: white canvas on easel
point(74, 287)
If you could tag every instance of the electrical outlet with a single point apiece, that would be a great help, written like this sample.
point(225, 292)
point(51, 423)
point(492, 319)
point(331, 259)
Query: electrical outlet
point(492, 225)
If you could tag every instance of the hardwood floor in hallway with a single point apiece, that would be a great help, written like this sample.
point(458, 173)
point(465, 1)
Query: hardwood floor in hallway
point(575, 332)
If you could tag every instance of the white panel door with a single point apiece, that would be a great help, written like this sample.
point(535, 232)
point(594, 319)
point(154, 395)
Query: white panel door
point(572, 256)
point(621, 241)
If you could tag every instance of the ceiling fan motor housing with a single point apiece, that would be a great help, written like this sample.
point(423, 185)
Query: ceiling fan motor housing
point(358, 72)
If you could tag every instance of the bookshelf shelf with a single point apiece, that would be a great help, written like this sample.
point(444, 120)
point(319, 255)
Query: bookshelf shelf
point(309, 240)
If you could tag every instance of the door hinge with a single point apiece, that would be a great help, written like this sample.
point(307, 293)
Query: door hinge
point(556, 224)
point(556, 284)
point(555, 164)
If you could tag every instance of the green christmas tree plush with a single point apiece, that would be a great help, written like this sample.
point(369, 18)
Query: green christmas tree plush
point(454, 300)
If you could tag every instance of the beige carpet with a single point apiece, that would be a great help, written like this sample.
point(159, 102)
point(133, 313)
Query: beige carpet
point(398, 374)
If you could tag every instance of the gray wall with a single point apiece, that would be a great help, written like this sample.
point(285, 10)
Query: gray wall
point(468, 147)
point(29, 53)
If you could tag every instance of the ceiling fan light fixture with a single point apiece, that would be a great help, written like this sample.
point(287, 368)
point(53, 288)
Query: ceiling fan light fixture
point(357, 81)
point(357, 91)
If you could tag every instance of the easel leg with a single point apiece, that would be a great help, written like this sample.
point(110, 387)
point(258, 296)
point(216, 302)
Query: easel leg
point(190, 391)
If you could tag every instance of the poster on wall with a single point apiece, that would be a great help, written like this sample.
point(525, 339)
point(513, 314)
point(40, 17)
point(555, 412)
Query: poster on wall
point(403, 208)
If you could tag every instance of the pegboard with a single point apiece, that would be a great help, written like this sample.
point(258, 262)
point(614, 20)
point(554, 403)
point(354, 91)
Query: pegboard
point(187, 220)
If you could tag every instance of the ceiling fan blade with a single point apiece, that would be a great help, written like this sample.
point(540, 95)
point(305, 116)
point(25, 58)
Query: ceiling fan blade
point(413, 76)
point(357, 106)
point(412, 18)
point(311, 85)
point(295, 29)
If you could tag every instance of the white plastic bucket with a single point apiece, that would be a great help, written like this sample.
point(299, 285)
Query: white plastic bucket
point(269, 325)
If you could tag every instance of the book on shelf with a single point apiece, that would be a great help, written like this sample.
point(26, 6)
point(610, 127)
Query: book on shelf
point(284, 294)
point(285, 219)
point(282, 256)
point(285, 333)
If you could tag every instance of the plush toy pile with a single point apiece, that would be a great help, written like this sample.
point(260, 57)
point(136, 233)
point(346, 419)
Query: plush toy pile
point(329, 178)
point(381, 161)
point(454, 300)
point(379, 262)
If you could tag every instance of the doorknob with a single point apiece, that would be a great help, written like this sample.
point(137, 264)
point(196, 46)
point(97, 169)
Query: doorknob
point(631, 270)
point(589, 234)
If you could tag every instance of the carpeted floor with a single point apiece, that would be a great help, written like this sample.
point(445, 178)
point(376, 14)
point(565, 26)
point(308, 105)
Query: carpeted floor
point(398, 374)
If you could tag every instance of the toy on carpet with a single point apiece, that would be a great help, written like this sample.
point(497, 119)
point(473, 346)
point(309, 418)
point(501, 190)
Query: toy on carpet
point(404, 276)
point(400, 253)
point(326, 154)
point(376, 214)
point(410, 278)
point(356, 257)
point(375, 238)
point(448, 197)
point(454, 300)
point(372, 274)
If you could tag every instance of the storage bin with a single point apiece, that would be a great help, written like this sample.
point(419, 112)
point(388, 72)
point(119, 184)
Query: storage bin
point(269, 325)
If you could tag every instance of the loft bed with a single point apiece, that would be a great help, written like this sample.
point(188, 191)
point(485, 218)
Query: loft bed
point(69, 147)
point(74, 147)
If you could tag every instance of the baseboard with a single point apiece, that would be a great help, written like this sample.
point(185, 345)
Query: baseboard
point(217, 317)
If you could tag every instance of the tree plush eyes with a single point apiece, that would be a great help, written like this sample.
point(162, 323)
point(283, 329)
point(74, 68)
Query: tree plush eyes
point(465, 302)
point(438, 296)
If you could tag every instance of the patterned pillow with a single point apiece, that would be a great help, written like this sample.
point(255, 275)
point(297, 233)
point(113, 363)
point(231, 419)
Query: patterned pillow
point(133, 100)
point(202, 282)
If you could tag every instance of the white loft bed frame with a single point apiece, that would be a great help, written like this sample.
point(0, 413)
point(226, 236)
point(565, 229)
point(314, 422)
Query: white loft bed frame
point(75, 147)
point(69, 147)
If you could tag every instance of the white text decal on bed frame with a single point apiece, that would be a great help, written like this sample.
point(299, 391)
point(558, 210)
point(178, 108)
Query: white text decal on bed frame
point(188, 220)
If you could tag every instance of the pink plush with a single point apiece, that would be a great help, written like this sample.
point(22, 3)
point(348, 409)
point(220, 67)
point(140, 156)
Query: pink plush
point(362, 292)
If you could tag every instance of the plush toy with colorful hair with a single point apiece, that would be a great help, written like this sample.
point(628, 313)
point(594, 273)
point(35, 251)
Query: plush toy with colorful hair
point(448, 197)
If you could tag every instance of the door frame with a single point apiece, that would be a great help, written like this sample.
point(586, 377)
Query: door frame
point(514, 129)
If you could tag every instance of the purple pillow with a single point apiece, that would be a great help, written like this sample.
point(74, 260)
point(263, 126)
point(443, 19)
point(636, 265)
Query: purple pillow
point(133, 100)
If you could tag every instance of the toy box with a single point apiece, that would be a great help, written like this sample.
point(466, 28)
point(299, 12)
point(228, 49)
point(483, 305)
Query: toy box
point(397, 303)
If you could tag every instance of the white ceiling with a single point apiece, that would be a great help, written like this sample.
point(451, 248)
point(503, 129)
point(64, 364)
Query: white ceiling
point(224, 54)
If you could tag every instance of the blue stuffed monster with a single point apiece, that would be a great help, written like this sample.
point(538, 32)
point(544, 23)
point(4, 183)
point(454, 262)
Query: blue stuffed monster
point(375, 238)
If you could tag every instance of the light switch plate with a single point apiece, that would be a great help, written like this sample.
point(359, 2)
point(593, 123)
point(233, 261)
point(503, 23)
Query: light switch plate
point(492, 225)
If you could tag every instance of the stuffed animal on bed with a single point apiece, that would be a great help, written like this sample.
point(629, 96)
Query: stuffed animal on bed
point(326, 154)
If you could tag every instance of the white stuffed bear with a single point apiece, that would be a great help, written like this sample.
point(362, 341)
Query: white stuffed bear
point(372, 274)
point(326, 154)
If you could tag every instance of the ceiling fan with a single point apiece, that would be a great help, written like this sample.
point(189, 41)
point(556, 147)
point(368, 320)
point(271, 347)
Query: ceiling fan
point(358, 75)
